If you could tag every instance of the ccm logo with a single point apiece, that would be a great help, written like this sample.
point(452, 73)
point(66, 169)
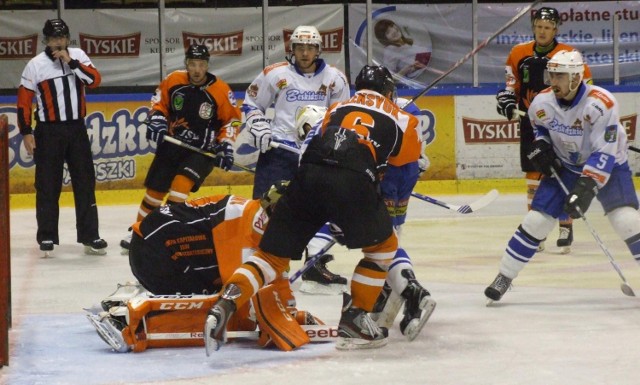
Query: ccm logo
point(181, 305)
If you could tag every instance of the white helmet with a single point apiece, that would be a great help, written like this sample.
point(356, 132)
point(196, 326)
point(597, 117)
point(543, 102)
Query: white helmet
point(566, 62)
point(306, 34)
point(310, 115)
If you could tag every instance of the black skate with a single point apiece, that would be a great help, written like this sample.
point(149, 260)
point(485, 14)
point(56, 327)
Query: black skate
point(387, 307)
point(215, 327)
point(319, 280)
point(47, 247)
point(418, 306)
point(357, 330)
point(498, 287)
point(565, 238)
point(96, 247)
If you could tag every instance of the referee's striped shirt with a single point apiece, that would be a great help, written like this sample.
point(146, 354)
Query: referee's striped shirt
point(58, 88)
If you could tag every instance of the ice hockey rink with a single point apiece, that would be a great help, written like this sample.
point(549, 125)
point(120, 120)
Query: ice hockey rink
point(565, 321)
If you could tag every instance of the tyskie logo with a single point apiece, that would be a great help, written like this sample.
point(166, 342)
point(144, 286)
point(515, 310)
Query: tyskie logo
point(22, 47)
point(111, 46)
point(221, 44)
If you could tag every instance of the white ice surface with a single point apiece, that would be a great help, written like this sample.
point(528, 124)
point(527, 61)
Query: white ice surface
point(564, 322)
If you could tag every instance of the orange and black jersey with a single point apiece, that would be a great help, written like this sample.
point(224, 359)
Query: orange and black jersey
point(525, 68)
point(58, 88)
point(213, 232)
point(195, 113)
point(362, 133)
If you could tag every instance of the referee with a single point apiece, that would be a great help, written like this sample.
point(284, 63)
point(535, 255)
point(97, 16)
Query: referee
point(57, 78)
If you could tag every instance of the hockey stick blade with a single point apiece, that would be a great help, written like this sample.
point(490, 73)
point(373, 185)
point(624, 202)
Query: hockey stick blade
point(624, 286)
point(472, 207)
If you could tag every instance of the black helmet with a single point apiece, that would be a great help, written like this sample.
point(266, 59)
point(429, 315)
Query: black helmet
point(55, 28)
point(375, 78)
point(197, 51)
point(547, 13)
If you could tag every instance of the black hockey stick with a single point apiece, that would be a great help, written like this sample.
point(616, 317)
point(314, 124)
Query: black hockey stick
point(180, 143)
point(624, 286)
point(476, 50)
point(634, 149)
point(464, 209)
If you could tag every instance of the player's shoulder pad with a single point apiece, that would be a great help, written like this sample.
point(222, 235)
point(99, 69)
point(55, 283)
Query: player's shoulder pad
point(273, 67)
point(599, 102)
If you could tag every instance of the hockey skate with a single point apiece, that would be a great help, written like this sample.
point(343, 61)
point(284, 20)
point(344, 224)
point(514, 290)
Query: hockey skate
point(215, 327)
point(319, 280)
point(565, 238)
point(109, 327)
point(125, 244)
point(387, 307)
point(122, 295)
point(498, 287)
point(47, 247)
point(96, 247)
point(418, 306)
point(357, 330)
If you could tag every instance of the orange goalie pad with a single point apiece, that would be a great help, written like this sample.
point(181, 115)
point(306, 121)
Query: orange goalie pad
point(277, 324)
point(174, 321)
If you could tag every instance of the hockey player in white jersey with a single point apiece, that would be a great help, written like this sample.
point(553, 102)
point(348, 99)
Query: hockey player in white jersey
point(303, 79)
point(578, 135)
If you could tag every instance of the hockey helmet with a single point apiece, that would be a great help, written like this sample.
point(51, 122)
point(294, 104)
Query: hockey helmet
point(546, 13)
point(310, 115)
point(566, 62)
point(272, 196)
point(306, 34)
point(376, 78)
point(197, 52)
point(55, 28)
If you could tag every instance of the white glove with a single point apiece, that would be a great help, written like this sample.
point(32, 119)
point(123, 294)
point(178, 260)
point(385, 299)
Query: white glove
point(260, 130)
point(423, 163)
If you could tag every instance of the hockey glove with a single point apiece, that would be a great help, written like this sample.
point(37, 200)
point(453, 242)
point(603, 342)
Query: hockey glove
point(581, 196)
point(423, 164)
point(224, 155)
point(506, 103)
point(260, 130)
point(156, 127)
point(544, 158)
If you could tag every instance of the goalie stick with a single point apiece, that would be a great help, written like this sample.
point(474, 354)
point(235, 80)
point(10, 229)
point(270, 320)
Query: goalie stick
point(464, 209)
point(182, 144)
point(624, 286)
point(474, 51)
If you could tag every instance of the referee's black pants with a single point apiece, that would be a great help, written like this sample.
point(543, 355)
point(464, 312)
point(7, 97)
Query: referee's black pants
point(57, 143)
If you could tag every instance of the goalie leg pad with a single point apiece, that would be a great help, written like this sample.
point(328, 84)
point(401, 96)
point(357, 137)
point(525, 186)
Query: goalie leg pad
point(275, 320)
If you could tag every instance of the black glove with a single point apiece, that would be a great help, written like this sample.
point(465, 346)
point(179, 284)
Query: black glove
point(156, 127)
point(544, 158)
point(583, 193)
point(224, 155)
point(506, 103)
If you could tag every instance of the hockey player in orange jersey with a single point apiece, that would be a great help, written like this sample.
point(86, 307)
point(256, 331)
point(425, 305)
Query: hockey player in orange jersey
point(337, 182)
point(183, 254)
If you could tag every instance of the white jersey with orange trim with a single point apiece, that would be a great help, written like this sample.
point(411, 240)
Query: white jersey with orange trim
point(288, 90)
point(586, 135)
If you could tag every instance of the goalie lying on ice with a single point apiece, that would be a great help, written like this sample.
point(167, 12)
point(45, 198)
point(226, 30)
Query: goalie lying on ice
point(183, 253)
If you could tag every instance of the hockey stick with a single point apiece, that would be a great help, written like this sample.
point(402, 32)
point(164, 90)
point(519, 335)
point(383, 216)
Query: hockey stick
point(624, 286)
point(180, 143)
point(312, 261)
point(464, 209)
point(477, 49)
point(284, 147)
point(634, 149)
